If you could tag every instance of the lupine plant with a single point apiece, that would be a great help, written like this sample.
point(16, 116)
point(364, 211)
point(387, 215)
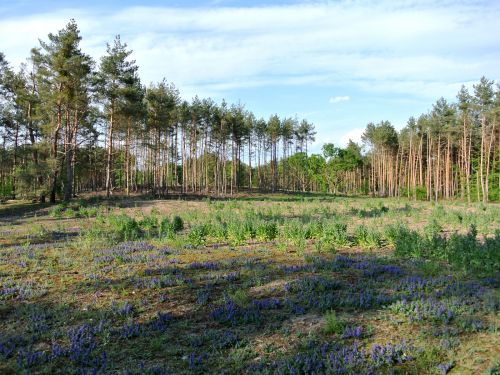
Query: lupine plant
point(120, 291)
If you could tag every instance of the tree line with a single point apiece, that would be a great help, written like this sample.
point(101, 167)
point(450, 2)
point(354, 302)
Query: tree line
point(69, 124)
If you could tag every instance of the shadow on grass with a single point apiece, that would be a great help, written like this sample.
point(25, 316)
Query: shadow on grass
point(234, 316)
point(21, 209)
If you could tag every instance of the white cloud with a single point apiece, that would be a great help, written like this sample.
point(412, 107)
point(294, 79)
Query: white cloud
point(338, 99)
point(353, 135)
point(410, 47)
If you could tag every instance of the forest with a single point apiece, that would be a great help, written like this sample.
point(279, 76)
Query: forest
point(70, 124)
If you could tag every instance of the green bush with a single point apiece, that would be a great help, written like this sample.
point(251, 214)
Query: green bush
point(235, 233)
point(337, 234)
point(467, 253)
point(166, 228)
point(408, 243)
point(421, 193)
point(125, 227)
point(295, 232)
point(316, 229)
point(367, 238)
point(218, 231)
point(87, 212)
point(463, 252)
point(391, 233)
point(149, 225)
point(177, 224)
point(57, 210)
point(325, 244)
point(69, 213)
point(266, 231)
point(333, 324)
point(198, 234)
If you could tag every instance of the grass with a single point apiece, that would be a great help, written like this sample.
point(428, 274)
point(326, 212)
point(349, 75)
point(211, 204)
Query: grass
point(254, 285)
point(333, 324)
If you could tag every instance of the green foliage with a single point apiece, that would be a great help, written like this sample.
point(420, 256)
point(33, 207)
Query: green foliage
point(87, 212)
point(296, 234)
point(336, 233)
point(367, 238)
point(333, 325)
point(325, 244)
point(433, 229)
point(467, 253)
point(125, 227)
point(391, 233)
point(240, 231)
point(6, 189)
point(149, 225)
point(266, 231)
point(240, 297)
point(57, 210)
point(316, 229)
point(177, 223)
point(408, 243)
point(198, 234)
point(70, 213)
point(421, 193)
point(463, 252)
point(166, 228)
point(218, 231)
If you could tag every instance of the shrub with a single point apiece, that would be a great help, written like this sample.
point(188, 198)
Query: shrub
point(240, 297)
point(69, 213)
point(325, 244)
point(408, 243)
point(149, 225)
point(464, 252)
point(57, 210)
point(433, 229)
point(295, 232)
point(235, 233)
point(332, 324)
point(266, 231)
point(316, 229)
point(421, 193)
point(125, 227)
point(238, 232)
point(467, 253)
point(337, 234)
point(87, 212)
point(197, 235)
point(177, 223)
point(166, 228)
point(367, 238)
point(391, 233)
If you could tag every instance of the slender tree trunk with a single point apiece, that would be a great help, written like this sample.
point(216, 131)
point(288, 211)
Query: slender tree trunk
point(127, 158)
point(482, 156)
point(55, 140)
point(109, 160)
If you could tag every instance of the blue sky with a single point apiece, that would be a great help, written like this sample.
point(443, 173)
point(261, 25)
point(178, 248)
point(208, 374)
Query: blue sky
point(340, 64)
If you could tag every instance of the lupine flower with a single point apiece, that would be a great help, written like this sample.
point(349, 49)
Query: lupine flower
point(352, 332)
point(204, 266)
point(444, 368)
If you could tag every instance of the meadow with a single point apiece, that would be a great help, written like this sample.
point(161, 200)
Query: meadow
point(263, 284)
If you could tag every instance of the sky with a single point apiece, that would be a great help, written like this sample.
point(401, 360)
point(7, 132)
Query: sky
point(339, 64)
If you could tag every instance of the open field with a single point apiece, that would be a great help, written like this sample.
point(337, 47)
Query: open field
point(283, 284)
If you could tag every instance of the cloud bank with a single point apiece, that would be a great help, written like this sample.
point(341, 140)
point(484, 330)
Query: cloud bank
point(382, 45)
point(415, 49)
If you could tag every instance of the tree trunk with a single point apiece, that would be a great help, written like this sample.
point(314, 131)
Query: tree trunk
point(109, 160)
